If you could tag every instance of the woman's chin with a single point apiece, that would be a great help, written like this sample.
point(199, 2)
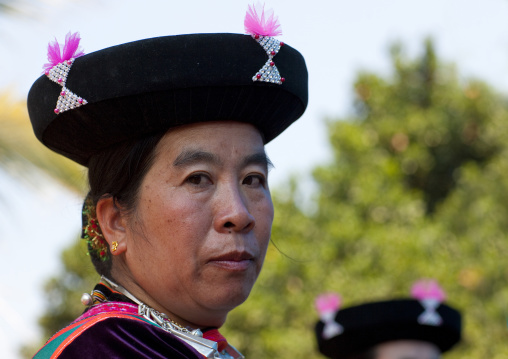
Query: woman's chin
point(229, 300)
point(221, 303)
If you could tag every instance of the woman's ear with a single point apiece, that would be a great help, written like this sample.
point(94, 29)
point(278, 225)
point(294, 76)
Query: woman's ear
point(113, 225)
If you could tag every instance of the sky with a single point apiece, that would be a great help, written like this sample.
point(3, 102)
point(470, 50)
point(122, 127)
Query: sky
point(338, 39)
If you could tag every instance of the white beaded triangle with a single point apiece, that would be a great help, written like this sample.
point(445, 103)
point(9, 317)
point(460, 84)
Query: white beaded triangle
point(268, 73)
point(269, 44)
point(58, 73)
point(68, 101)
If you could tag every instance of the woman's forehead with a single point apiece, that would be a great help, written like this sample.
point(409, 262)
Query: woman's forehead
point(211, 137)
point(209, 133)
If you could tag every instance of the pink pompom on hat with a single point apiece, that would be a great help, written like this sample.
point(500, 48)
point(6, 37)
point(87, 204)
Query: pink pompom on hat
point(71, 50)
point(328, 302)
point(428, 289)
point(257, 22)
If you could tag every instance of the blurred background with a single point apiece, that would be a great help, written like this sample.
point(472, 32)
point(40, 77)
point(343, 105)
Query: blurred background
point(397, 171)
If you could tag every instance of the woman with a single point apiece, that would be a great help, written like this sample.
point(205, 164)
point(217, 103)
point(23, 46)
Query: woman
point(421, 327)
point(178, 216)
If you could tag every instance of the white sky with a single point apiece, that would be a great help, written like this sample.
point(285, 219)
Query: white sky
point(338, 38)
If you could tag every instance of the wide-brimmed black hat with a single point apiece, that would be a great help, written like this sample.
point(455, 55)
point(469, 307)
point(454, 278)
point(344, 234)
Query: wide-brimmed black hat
point(148, 86)
point(367, 325)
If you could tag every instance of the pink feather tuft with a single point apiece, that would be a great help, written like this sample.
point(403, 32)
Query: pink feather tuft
point(258, 23)
point(70, 50)
point(71, 47)
point(328, 302)
point(53, 55)
point(427, 289)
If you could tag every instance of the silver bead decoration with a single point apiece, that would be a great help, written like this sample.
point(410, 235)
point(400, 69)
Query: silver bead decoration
point(197, 332)
point(67, 99)
point(59, 73)
point(269, 72)
point(269, 44)
point(430, 316)
point(86, 299)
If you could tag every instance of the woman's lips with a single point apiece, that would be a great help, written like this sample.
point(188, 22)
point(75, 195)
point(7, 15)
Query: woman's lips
point(236, 261)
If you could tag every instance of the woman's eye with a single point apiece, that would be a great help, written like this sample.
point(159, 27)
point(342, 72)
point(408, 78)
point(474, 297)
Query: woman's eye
point(254, 181)
point(198, 179)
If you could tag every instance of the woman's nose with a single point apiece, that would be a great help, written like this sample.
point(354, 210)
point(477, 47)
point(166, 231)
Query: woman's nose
point(232, 212)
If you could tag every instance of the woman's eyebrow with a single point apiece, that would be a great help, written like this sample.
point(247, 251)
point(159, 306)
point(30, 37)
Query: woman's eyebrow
point(259, 158)
point(189, 157)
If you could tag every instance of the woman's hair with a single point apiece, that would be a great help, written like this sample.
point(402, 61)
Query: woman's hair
point(369, 354)
point(117, 172)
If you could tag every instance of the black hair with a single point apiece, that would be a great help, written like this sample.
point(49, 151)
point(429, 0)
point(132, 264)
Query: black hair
point(368, 354)
point(118, 172)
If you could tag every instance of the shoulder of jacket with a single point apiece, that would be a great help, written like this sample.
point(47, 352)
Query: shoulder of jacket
point(63, 338)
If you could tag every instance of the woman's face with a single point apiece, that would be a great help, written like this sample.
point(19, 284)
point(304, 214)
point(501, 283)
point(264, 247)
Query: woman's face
point(407, 349)
point(199, 234)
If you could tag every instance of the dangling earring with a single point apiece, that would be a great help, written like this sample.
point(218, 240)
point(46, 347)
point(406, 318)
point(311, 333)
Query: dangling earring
point(114, 246)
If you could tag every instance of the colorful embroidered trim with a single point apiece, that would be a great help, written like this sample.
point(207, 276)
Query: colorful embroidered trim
point(109, 307)
point(56, 344)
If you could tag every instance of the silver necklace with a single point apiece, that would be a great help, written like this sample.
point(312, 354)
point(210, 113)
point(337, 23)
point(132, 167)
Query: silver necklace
point(194, 338)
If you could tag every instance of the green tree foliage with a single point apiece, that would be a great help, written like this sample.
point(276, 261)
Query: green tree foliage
point(416, 189)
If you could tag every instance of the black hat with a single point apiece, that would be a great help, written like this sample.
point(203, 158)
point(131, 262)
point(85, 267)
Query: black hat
point(148, 86)
point(355, 330)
